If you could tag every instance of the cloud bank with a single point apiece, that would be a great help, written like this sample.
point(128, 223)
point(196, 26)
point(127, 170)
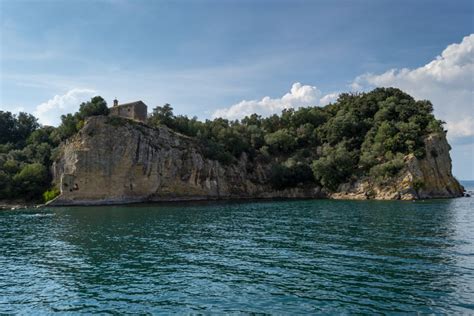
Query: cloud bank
point(299, 95)
point(447, 81)
point(49, 112)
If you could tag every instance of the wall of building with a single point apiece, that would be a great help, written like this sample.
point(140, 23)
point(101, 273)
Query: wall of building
point(140, 112)
point(136, 111)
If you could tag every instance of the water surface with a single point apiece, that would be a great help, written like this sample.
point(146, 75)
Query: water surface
point(278, 257)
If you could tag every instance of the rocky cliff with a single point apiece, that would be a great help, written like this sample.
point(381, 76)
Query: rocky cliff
point(115, 160)
point(425, 178)
point(121, 161)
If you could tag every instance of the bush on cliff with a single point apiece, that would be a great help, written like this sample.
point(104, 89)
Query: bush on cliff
point(72, 123)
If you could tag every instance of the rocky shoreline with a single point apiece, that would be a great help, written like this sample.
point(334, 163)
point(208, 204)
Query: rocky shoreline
point(336, 196)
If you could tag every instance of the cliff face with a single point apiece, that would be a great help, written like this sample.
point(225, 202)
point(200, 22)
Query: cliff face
point(123, 162)
point(112, 161)
point(425, 178)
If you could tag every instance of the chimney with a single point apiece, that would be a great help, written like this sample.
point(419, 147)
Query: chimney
point(115, 102)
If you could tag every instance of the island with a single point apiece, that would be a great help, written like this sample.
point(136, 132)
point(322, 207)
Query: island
point(381, 145)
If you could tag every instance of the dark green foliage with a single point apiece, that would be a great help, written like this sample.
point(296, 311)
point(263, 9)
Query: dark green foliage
point(27, 149)
point(72, 123)
point(15, 129)
point(96, 106)
point(334, 166)
point(366, 134)
point(388, 169)
point(281, 141)
point(162, 115)
point(31, 181)
point(360, 134)
point(283, 176)
point(24, 172)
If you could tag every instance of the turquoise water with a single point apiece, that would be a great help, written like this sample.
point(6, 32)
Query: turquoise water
point(287, 257)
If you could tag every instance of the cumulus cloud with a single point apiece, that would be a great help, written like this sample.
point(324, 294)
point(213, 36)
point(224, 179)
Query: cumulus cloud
point(447, 81)
point(49, 112)
point(461, 130)
point(299, 95)
point(328, 98)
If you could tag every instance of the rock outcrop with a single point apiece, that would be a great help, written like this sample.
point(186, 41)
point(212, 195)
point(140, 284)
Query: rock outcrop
point(115, 160)
point(120, 161)
point(425, 178)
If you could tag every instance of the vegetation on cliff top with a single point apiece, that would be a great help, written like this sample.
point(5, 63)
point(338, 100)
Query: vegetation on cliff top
point(365, 134)
point(360, 134)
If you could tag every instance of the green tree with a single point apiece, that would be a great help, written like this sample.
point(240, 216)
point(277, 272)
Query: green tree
point(31, 181)
point(335, 166)
point(281, 141)
point(96, 106)
point(162, 115)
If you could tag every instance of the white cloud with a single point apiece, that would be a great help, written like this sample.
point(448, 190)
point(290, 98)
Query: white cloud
point(328, 98)
point(15, 109)
point(461, 128)
point(447, 81)
point(299, 95)
point(49, 112)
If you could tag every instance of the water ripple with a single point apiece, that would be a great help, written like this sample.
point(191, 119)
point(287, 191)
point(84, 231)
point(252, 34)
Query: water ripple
point(299, 257)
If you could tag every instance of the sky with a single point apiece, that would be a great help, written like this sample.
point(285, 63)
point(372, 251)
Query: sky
point(231, 58)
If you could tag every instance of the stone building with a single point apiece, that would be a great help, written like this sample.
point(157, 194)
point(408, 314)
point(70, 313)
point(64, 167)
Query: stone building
point(135, 110)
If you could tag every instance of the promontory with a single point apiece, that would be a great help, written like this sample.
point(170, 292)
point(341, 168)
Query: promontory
point(380, 145)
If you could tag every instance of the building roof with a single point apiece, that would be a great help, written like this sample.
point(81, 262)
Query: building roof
point(132, 103)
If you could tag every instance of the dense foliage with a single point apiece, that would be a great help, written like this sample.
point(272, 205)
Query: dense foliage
point(72, 123)
point(26, 150)
point(360, 134)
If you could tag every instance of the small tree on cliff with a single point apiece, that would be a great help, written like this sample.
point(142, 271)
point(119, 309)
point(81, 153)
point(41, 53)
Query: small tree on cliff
point(162, 115)
point(96, 106)
point(71, 123)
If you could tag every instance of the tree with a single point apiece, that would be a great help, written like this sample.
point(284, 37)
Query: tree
point(68, 127)
point(96, 106)
point(335, 166)
point(162, 115)
point(290, 175)
point(31, 181)
point(72, 123)
point(16, 128)
point(281, 141)
point(26, 124)
point(7, 127)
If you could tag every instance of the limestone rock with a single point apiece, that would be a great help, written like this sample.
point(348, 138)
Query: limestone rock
point(425, 178)
point(115, 160)
point(121, 161)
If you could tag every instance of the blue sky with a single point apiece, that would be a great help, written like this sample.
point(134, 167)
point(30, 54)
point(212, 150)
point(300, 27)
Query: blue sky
point(211, 58)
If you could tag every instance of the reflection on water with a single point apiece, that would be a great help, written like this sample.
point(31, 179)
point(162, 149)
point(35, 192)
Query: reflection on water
point(280, 257)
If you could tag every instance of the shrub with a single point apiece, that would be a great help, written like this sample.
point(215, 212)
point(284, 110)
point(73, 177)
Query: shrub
point(387, 169)
point(50, 194)
point(31, 180)
point(335, 166)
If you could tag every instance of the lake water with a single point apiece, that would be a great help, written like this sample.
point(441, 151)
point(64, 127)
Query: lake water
point(287, 257)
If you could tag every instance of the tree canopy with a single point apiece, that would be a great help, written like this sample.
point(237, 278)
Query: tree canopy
point(360, 134)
